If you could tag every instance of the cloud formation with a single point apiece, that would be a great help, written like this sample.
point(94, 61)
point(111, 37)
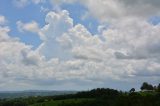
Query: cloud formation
point(71, 56)
point(3, 20)
point(56, 25)
point(30, 27)
point(112, 10)
point(23, 3)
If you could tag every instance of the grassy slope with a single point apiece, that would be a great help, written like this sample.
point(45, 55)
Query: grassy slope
point(57, 102)
point(76, 101)
point(147, 93)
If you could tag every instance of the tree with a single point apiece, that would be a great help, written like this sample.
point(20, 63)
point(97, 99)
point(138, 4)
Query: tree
point(158, 88)
point(155, 88)
point(132, 90)
point(146, 86)
point(150, 87)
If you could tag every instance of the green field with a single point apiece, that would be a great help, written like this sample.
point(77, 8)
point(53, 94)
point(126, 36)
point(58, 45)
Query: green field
point(59, 102)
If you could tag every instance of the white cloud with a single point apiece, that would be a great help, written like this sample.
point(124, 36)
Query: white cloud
point(58, 2)
point(31, 57)
point(44, 9)
point(23, 3)
point(30, 27)
point(4, 33)
point(115, 10)
point(3, 20)
point(71, 56)
point(101, 51)
point(20, 64)
point(38, 1)
point(134, 39)
point(56, 25)
point(110, 10)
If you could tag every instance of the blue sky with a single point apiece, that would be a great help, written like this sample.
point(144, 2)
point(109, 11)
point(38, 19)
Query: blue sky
point(155, 20)
point(26, 14)
point(77, 45)
point(32, 12)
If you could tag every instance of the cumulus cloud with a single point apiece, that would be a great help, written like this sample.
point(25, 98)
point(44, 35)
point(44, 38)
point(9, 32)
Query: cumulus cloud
point(111, 10)
point(44, 9)
point(30, 27)
point(115, 51)
point(3, 20)
point(23, 3)
point(10, 54)
point(20, 64)
point(4, 33)
point(38, 1)
point(56, 25)
point(31, 57)
point(70, 55)
point(58, 2)
point(134, 39)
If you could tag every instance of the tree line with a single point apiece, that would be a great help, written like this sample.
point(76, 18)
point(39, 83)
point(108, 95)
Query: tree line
point(149, 96)
point(146, 86)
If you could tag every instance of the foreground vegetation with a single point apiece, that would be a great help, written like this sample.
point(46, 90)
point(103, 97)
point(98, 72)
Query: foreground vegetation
point(149, 96)
point(63, 102)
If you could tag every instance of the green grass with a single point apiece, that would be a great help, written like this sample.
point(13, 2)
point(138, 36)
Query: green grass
point(145, 93)
point(57, 102)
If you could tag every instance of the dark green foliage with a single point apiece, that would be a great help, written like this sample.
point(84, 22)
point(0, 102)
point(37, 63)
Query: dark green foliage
point(158, 88)
point(146, 86)
point(132, 90)
point(132, 99)
point(99, 92)
point(95, 97)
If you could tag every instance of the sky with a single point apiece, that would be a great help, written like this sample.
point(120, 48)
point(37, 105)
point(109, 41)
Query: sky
point(79, 44)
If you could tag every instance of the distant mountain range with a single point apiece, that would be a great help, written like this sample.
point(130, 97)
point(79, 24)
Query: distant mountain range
point(28, 93)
